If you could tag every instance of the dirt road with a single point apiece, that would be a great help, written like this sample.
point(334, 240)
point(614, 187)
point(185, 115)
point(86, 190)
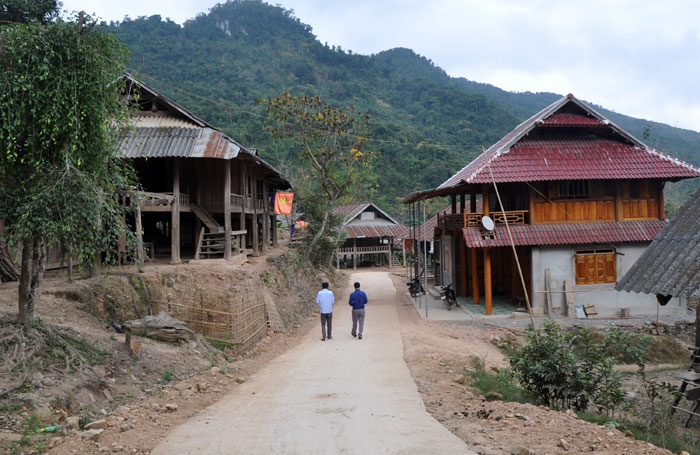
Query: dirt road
point(337, 396)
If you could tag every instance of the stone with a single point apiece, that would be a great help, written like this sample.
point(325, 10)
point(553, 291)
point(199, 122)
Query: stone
point(171, 407)
point(96, 425)
point(563, 444)
point(72, 423)
point(91, 435)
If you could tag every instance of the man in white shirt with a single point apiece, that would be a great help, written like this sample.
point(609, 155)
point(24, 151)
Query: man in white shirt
point(325, 300)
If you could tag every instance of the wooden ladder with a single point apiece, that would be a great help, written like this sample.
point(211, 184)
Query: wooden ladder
point(395, 260)
point(690, 388)
point(206, 218)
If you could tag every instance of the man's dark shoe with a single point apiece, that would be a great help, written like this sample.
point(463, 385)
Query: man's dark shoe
point(359, 337)
point(351, 333)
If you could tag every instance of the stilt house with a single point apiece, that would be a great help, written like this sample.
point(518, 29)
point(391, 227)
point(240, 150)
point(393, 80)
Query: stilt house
point(369, 236)
point(570, 201)
point(204, 195)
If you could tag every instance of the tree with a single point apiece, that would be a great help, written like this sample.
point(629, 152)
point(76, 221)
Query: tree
point(59, 172)
point(25, 11)
point(331, 144)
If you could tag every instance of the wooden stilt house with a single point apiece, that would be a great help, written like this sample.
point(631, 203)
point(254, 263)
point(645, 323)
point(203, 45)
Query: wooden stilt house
point(570, 201)
point(202, 195)
point(369, 236)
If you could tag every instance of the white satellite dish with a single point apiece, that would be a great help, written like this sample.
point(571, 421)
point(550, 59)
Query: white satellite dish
point(487, 223)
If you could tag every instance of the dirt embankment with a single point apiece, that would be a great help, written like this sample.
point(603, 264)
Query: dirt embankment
point(130, 389)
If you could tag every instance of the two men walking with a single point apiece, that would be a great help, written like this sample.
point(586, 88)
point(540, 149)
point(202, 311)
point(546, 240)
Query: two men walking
point(325, 300)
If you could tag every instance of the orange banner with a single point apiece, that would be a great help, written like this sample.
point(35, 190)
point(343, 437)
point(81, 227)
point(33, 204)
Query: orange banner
point(283, 203)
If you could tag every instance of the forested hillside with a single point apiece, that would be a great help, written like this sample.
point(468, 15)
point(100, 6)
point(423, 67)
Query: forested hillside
point(425, 124)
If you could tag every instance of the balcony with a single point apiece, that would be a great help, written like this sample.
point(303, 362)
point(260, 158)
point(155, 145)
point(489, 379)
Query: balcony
point(153, 202)
point(247, 203)
point(473, 219)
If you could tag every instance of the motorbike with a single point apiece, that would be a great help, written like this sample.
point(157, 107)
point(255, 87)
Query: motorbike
point(449, 296)
point(415, 287)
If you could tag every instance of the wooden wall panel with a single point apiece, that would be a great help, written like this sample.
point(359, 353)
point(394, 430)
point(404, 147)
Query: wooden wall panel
point(557, 212)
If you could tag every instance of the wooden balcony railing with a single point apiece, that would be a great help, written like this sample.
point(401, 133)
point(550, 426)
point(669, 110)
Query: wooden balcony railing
point(365, 249)
point(472, 219)
point(151, 199)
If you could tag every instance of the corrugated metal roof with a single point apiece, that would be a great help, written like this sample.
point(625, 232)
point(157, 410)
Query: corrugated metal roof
point(177, 142)
point(565, 234)
point(143, 120)
point(671, 264)
point(352, 211)
point(389, 230)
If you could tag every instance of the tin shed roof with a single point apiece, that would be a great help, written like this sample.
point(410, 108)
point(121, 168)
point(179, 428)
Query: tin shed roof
point(168, 130)
point(670, 266)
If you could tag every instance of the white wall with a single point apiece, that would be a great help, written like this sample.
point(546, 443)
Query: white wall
point(608, 302)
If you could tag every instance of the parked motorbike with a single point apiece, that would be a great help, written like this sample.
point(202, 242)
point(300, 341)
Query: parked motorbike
point(448, 295)
point(415, 287)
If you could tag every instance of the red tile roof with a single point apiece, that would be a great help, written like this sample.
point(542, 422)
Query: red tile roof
point(569, 119)
point(576, 159)
point(566, 234)
point(588, 147)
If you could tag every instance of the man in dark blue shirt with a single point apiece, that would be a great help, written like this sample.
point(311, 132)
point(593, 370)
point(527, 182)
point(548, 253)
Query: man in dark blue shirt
point(358, 300)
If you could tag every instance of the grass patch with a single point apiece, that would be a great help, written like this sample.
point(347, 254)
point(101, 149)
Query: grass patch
point(94, 356)
point(498, 386)
point(167, 375)
point(663, 435)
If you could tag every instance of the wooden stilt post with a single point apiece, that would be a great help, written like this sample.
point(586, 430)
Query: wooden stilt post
point(175, 215)
point(227, 210)
point(139, 233)
point(354, 254)
point(488, 294)
point(474, 259)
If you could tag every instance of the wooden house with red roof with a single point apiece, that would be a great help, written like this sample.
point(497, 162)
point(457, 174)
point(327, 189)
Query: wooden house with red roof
point(202, 194)
point(370, 234)
point(570, 199)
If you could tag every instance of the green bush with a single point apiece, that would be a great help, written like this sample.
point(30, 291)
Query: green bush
point(572, 370)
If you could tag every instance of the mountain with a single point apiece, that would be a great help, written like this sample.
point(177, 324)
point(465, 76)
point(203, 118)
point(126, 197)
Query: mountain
point(425, 124)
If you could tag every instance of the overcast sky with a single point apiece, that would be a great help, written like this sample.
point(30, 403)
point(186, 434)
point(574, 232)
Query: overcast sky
point(638, 58)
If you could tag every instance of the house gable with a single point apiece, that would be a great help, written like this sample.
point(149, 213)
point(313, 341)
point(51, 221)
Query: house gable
point(569, 141)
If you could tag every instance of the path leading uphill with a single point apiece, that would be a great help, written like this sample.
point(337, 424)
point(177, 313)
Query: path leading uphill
point(342, 395)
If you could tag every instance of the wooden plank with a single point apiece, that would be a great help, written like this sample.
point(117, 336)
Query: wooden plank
point(693, 394)
point(548, 295)
point(689, 376)
point(569, 299)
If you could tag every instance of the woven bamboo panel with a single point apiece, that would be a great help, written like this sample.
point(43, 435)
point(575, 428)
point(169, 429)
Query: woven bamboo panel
point(234, 315)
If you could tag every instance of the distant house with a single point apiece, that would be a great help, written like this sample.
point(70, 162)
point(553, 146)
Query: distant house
point(203, 194)
point(670, 266)
point(570, 199)
point(369, 236)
